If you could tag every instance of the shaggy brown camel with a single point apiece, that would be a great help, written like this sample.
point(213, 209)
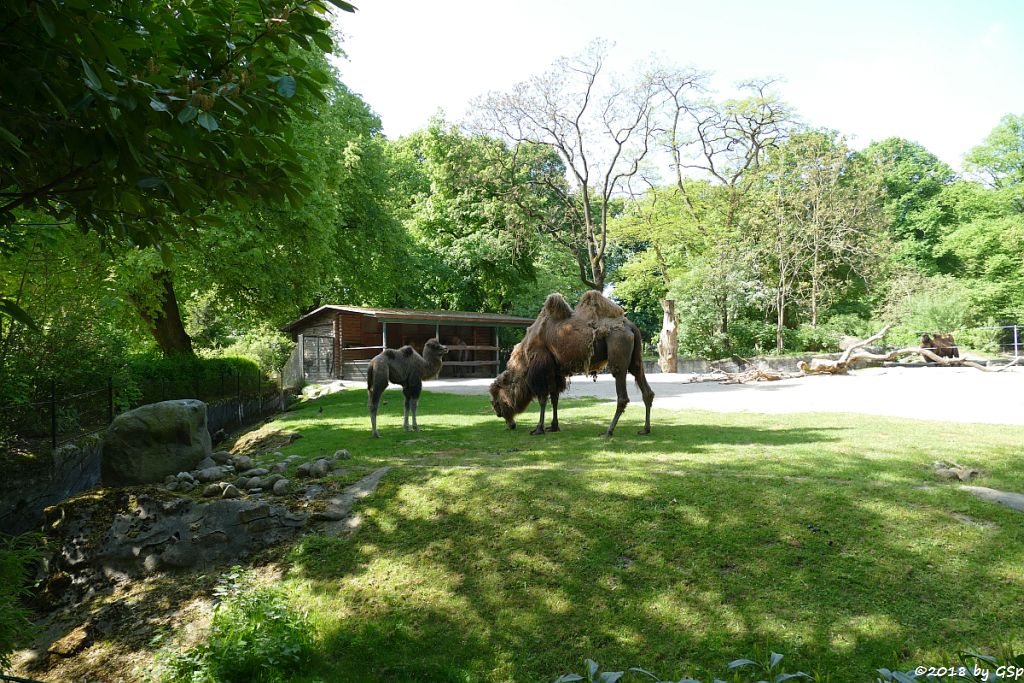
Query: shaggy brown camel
point(564, 342)
point(407, 368)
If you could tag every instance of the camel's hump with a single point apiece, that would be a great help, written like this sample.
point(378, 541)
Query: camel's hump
point(556, 307)
point(593, 306)
point(406, 351)
point(390, 353)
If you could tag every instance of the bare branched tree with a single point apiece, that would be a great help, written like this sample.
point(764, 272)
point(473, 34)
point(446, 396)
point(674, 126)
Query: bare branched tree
point(601, 129)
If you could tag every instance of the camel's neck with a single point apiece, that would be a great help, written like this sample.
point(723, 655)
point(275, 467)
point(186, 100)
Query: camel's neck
point(431, 364)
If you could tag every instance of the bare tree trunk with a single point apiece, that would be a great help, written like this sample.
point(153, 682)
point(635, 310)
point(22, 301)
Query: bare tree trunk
point(165, 325)
point(668, 340)
point(814, 286)
point(780, 318)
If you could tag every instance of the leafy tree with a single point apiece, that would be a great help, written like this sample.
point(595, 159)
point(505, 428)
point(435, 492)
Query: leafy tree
point(817, 219)
point(1000, 159)
point(477, 240)
point(270, 263)
point(913, 179)
point(131, 118)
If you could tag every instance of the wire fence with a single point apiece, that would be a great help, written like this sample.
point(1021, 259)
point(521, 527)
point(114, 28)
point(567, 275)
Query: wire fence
point(65, 414)
point(1003, 339)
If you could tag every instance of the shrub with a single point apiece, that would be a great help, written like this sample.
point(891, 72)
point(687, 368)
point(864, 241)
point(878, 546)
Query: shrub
point(255, 635)
point(752, 337)
point(265, 346)
point(158, 378)
point(18, 556)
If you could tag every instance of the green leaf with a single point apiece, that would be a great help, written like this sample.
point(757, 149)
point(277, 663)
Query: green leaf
point(91, 79)
point(569, 678)
point(610, 676)
point(342, 5)
point(207, 121)
point(737, 663)
point(10, 137)
point(775, 659)
point(591, 668)
point(187, 113)
point(46, 20)
point(157, 105)
point(323, 41)
point(286, 86)
point(14, 311)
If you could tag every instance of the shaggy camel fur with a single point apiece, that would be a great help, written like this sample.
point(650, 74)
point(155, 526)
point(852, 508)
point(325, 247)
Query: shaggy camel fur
point(564, 342)
point(407, 368)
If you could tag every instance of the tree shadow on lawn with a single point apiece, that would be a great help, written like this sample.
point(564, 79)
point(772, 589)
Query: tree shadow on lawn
point(520, 575)
point(460, 421)
point(462, 430)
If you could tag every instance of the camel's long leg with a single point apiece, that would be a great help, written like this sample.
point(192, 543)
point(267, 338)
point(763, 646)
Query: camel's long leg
point(405, 415)
point(543, 400)
point(373, 422)
point(554, 414)
point(623, 400)
point(648, 394)
point(415, 405)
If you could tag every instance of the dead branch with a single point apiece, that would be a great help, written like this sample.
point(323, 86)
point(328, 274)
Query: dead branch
point(756, 374)
point(853, 356)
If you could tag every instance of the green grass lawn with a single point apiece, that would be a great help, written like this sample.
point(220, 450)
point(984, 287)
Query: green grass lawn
point(489, 555)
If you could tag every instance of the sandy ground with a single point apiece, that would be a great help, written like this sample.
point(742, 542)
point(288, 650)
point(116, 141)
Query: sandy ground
point(945, 394)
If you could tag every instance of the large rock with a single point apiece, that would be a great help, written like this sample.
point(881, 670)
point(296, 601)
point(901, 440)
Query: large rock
point(144, 445)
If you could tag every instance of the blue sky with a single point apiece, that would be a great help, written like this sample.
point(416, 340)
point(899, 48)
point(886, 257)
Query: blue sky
point(941, 73)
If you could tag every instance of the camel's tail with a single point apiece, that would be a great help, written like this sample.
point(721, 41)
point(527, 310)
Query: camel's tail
point(369, 386)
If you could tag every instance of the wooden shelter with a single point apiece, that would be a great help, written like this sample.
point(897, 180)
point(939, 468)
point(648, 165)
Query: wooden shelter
point(337, 342)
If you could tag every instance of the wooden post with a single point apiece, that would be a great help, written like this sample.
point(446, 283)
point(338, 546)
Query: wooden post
point(110, 400)
point(1016, 343)
point(384, 334)
point(302, 359)
point(497, 353)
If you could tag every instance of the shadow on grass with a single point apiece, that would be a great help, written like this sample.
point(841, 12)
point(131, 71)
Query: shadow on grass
point(487, 574)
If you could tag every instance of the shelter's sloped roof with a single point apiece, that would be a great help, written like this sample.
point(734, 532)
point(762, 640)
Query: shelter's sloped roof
point(410, 315)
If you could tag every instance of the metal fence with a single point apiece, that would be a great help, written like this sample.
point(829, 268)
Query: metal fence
point(1009, 339)
point(65, 414)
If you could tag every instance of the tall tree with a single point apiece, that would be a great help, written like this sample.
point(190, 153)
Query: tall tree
point(913, 180)
point(469, 203)
point(999, 160)
point(726, 142)
point(600, 128)
point(818, 221)
point(131, 118)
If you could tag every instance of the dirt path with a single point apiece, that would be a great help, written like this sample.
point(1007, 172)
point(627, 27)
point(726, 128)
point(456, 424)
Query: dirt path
point(945, 394)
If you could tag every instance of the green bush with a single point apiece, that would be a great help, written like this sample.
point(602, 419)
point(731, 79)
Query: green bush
point(158, 378)
point(930, 304)
point(267, 347)
point(255, 635)
point(18, 556)
point(752, 337)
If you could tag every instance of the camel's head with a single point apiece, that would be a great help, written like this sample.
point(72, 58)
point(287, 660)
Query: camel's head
point(501, 400)
point(435, 347)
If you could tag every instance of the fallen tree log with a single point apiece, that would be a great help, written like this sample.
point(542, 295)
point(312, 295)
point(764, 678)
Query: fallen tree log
point(855, 356)
point(852, 357)
point(755, 374)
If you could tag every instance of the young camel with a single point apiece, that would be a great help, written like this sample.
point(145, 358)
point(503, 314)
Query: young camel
point(407, 368)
